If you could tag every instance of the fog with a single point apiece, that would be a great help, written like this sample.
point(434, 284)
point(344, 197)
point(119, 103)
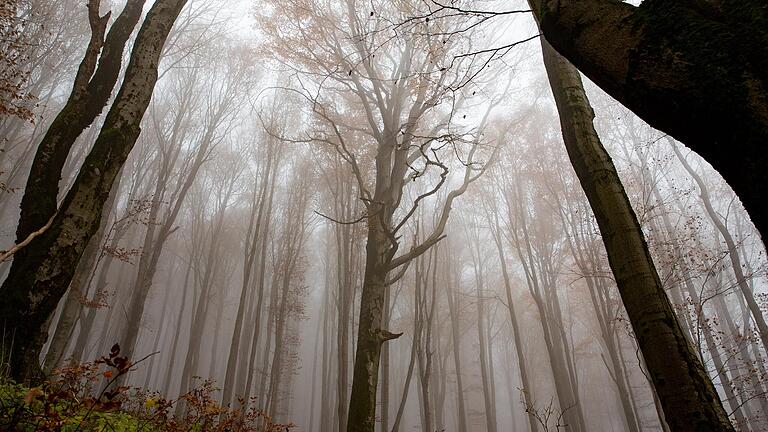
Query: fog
point(347, 212)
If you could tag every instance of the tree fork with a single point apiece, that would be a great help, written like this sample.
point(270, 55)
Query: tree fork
point(95, 79)
point(37, 282)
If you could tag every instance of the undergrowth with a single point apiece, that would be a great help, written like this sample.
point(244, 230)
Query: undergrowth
point(89, 397)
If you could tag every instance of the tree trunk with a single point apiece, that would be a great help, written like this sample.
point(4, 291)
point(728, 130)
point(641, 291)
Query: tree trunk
point(185, 294)
point(370, 336)
point(687, 395)
point(40, 276)
point(385, 366)
point(78, 292)
point(586, 259)
point(527, 389)
point(253, 238)
point(541, 292)
point(486, 378)
point(456, 335)
point(697, 70)
point(92, 88)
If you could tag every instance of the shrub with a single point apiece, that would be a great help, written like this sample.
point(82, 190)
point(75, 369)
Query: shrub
point(88, 397)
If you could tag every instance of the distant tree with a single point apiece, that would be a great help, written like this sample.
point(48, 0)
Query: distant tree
point(13, 49)
point(377, 102)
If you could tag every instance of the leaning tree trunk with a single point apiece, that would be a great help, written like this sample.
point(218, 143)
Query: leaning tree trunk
point(687, 395)
point(95, 79)
point(695, 69)
point(38, 279)
point(78, 292)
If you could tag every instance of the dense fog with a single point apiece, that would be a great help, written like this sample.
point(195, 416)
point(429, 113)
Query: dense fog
point(340, 209)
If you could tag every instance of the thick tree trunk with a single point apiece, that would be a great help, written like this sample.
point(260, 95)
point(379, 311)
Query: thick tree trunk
point(371, 335)
point(78, 292)
point(697, 70)
point(96, 78)
point(586, 259)
point(687, 395)
point(40, 277)
point(385, 367)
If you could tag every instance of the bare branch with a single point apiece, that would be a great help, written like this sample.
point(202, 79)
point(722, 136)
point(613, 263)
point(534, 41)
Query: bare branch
point(9, 253)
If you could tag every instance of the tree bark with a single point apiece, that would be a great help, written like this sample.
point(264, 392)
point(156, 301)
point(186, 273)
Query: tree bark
point(695, 69)
point(687, 395)
point(96, 78)
point(78, 292)
point(370, 336)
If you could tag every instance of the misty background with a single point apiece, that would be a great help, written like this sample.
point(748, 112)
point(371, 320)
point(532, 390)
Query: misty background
point(239, 224)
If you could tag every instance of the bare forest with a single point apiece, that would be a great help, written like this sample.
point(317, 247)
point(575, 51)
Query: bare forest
point(383, 216)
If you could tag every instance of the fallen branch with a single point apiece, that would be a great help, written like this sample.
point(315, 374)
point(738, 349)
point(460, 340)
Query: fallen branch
point(9, 253)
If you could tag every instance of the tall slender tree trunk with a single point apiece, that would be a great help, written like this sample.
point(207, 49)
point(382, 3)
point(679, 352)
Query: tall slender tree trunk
point(253, 239)
point(326, 414)
point(527, 389)
point(453, 309)
point(186, 292)
point(245, 377)
point(733, 253)
point(687, 395)
point(488, 397)
point(566, 394)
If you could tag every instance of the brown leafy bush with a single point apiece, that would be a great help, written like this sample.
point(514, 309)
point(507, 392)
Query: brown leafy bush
point(87, 397)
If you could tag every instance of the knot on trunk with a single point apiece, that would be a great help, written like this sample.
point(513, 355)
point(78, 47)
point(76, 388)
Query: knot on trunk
point(386, 335)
